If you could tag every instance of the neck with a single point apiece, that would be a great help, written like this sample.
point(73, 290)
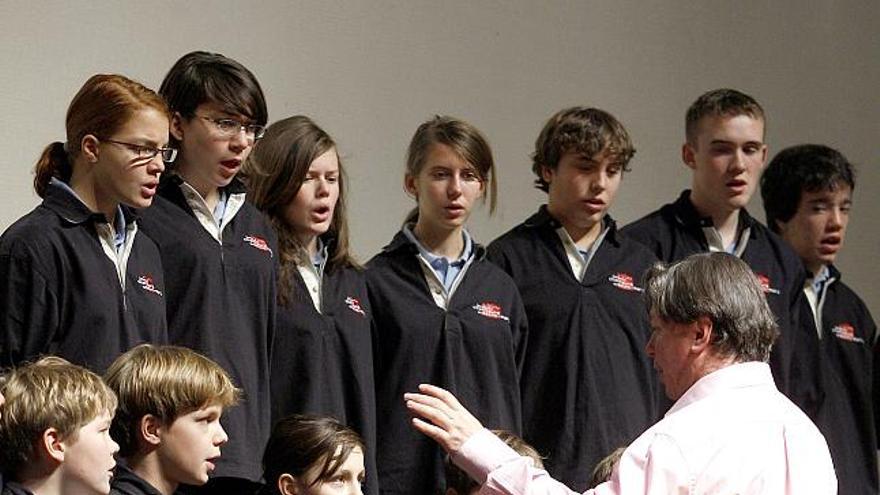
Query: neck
point(83, 184)
point(149, 468)
point(208, 191)
point(583, 236)
point(310, 243)
point(447, 243)
point(724, 220)
point(42, 481)
point(814, 268)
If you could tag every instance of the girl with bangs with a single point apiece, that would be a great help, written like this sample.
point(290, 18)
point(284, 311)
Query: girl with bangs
point(77, 277)
point(441, 312)
point(322, 357)
point(218, 251)
point(313, 455)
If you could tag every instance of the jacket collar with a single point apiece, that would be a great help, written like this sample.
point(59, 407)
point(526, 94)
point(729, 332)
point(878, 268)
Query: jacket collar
point(74, 211)
point(543, 219)
point(686, 215)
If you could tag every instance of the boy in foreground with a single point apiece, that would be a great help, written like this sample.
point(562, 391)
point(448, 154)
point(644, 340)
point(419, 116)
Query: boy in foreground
point(168, 422)
point(55, 430)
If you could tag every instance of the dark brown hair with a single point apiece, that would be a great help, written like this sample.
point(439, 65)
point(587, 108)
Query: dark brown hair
point(584, 130)
point(299, 442)
point(103, 105)
point(274, 173)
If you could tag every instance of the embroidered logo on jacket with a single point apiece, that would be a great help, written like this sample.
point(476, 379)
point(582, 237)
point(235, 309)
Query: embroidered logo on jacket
point(624, 281)
point(258, 242)
point(845, 331)
point(764, 280)
point(490, 310)
point(146, 283)
point(355, 305)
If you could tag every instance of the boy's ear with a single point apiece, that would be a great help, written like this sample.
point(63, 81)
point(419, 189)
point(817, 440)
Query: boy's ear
point(52, 445)
point(547, 174)
point(287, 485)
point(151, 430)
point(687, 155)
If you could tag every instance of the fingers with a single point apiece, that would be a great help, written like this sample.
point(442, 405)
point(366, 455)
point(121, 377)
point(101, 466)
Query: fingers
point(440, 393)
point(429, 408)
point(433, 432)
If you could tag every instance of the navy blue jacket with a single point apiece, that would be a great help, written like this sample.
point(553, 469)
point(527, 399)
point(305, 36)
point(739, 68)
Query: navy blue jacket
point(60, 294)
point(588, 386)
point(322, 363)
point(474, 348)
point(850, 370)
point(221, 302)
point(675, 231)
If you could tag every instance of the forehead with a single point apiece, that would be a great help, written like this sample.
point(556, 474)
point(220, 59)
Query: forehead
point(148, 123)
point(839, 193)
point(741, 127)
point(216, 109)
point(442, 155)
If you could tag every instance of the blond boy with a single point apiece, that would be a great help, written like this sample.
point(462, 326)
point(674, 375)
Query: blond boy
point(168, 422)
point(55, 430)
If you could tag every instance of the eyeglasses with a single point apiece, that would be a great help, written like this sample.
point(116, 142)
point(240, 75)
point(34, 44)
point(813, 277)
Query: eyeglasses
point(230, 127)
point(147, 152)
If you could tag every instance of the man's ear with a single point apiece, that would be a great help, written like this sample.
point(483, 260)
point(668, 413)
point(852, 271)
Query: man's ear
point(176, 126)
point(287, 485)
point(151, 429)
point(52, 445)
point(89, 148)
point(703, 330)
point(687, 156)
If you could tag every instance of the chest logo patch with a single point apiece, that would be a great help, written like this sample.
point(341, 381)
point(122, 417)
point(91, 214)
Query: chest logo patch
point(146, 283)
point(764, 281)
point(624, 281)
point(258, 242)
point(490, 310)
point(355, 305)
point(845, 331)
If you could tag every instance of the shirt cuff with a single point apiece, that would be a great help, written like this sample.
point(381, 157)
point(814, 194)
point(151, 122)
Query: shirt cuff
point(483, 453)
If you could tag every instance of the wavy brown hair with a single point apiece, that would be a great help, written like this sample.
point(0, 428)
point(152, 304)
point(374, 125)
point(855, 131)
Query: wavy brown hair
point(274, 173)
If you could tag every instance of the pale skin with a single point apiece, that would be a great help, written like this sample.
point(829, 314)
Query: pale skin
point(446, 189)
point(727, 157)
point(347, 479)
point(682, 352)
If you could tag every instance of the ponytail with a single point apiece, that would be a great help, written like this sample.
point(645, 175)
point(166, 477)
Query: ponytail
point(53, 162)
point(412, 216)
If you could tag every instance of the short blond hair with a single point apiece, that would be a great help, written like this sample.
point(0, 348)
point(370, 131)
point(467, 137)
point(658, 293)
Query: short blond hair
point(166, 382)
point(49, 393)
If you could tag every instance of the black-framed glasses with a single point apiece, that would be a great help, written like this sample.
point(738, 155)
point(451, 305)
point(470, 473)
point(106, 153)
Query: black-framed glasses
point(230, 127)
point(147, 152)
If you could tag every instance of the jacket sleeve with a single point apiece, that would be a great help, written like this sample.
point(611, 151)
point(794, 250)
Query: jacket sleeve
point(29, 310)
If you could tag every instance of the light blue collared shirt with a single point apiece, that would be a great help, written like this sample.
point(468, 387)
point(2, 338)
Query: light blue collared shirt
point(446, 270)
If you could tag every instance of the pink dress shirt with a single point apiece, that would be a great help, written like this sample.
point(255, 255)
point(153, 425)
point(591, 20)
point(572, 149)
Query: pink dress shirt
point(732, 432)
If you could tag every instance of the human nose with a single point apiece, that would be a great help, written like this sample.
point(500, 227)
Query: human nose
point(114, 447)
point(221, 436)
point(156, 165)
point(239, 139)
point(453, 187)
point(323, 188)
point(738, 164)
point(835, 219)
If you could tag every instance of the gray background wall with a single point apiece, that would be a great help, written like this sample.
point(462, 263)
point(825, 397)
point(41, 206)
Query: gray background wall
point(370, 72)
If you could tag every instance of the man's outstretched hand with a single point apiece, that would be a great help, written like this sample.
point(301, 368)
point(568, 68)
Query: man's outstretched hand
point(439, 415)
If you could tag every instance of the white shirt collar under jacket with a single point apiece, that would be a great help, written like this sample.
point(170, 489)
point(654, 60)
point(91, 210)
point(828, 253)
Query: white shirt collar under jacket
point(205, 215)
